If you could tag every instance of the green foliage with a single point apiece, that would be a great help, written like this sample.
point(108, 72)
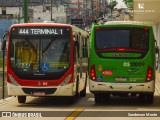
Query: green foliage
point(129, 4)
point(112, 4)
point(127, 1)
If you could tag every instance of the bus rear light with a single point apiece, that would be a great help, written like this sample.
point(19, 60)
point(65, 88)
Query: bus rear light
point(93, 73)
point(121, 49)
point(146, 29)
point(149, 74)
point(97, 28)
point(12, 80)
point(66, 80)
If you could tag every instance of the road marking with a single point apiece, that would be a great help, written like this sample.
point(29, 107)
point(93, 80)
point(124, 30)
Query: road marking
point(74, 114)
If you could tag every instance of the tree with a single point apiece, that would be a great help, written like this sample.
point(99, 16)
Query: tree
point(112, 5)
point(129, 4)
point(127, 1)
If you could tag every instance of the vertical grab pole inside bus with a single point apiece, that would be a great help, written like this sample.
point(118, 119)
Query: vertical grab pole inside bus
point(3, 69)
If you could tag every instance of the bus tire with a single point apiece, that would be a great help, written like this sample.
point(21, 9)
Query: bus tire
point(150, 98)
point(99, 98)
point(141, 98)
point(107, 97)
point(77, 87)
point(83, 92)
point(21, 99)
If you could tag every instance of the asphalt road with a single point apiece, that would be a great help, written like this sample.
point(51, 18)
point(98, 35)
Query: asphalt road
point(52, 108)
point(55, 108)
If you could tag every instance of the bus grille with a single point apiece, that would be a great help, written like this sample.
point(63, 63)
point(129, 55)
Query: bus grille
point(44, 90)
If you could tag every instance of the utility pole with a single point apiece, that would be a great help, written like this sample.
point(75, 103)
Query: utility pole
point(92, 9)
point(25, 11)
point(51, 10)
point(78, 9)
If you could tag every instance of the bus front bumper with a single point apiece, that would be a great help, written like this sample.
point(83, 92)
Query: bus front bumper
point(66, 90)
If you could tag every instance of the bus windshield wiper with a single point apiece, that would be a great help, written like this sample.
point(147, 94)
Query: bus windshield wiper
point(49, 44)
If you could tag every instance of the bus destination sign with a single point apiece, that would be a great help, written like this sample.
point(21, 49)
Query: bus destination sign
point(38, 31)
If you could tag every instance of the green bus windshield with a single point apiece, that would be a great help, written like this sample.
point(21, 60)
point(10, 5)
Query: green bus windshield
point(132, 39)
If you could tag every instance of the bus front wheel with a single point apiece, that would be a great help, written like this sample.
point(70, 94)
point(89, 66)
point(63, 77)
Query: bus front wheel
point(21, 99)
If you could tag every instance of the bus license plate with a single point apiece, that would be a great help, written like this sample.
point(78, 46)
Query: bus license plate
point(39, 93)
point(121, 79)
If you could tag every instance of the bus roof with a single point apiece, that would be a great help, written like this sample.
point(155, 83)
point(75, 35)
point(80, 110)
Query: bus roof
point(40, 24)
point(127, 22)
point(48, 25)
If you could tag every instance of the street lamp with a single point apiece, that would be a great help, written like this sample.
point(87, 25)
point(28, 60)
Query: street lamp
point(92, 9)
point(68, 18)
point(25, 11)
point(51, 10)
point(66, 7)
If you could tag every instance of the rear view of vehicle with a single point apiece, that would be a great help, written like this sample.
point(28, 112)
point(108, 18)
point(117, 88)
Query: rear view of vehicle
point(122, 61)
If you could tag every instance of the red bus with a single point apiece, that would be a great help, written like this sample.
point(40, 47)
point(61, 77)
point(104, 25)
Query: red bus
point(46, 59)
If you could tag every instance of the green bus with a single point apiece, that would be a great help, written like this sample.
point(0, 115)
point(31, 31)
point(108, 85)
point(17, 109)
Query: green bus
point(122, 61)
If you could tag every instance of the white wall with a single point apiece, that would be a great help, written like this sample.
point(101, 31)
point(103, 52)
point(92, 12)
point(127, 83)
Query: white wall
point(156, 30)
point(12, 10)
point(158, 34)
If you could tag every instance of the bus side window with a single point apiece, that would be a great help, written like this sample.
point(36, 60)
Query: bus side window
point(85, 49)
point(77, 46)
point(80, 38)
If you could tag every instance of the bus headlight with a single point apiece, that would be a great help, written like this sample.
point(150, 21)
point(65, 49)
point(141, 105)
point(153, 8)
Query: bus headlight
point(13, 81)
point(66, 80)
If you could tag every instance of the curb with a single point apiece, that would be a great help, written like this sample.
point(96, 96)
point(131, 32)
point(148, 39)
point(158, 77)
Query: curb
point(157, 82)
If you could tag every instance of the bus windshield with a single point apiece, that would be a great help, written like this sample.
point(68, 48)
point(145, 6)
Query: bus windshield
point(132, 39)
point(40, 55)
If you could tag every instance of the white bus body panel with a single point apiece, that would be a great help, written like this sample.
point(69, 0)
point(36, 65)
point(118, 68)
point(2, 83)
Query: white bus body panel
point(66, 90)
point(122, 87)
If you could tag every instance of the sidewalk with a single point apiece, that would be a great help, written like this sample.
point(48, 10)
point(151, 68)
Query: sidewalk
point(1, 69)
point(158, 81)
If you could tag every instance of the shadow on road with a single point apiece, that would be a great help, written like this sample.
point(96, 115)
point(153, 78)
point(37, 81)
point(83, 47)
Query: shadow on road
point(51, 102)
point(88, 102)
point(129, 102)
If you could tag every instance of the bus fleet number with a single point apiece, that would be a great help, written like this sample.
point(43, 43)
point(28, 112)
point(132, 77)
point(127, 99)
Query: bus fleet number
point(137, 63)
point(23, 31)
